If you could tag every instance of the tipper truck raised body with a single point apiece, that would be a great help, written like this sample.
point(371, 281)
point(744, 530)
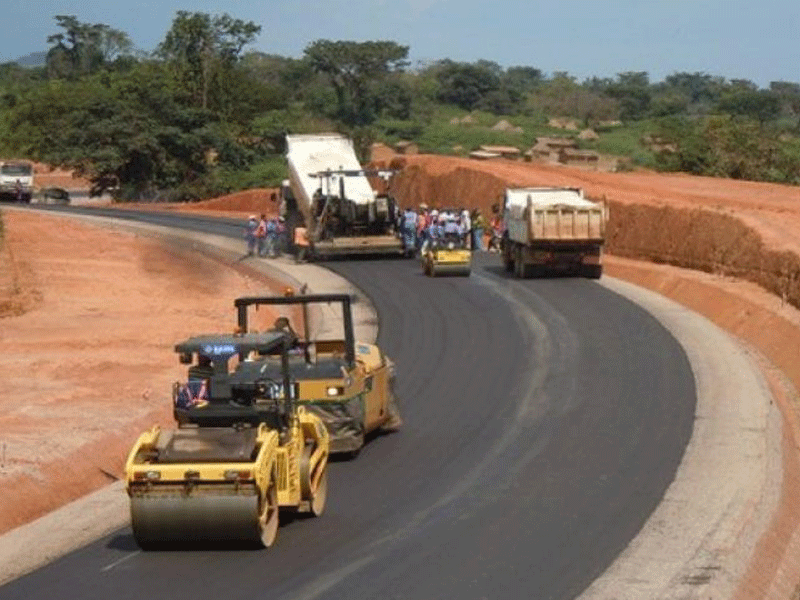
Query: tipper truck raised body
point(337, 212)
point(553, 229)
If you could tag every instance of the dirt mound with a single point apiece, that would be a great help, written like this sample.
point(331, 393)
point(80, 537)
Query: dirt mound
point(256, 200)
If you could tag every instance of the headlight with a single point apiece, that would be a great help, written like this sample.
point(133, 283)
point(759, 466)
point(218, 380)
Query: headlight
point(334, 391)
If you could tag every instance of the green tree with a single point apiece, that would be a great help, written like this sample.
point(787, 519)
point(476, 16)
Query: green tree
point(762, 105)
point(466, 85)
point(201, 50)
point(632, 91)
point(701, 89)
point(84, 48)
point(131, 132)
point(356, 71)
point(561, 95)
point(521, 79)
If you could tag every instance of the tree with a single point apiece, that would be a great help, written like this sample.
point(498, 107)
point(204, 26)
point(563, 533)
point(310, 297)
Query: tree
point(202, 50)
point(701, 89)
point(563, 96)
point(762, 105)
point(632, 91)
point(355, 70)
point(84, 48)
point(522, 79)
point(131, 132)
point(466, 84)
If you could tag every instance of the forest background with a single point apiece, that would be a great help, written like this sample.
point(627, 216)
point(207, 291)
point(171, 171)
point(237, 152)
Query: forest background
point(202, 116)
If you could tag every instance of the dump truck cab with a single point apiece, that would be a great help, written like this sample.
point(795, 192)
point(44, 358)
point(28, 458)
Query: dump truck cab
point(347, 384)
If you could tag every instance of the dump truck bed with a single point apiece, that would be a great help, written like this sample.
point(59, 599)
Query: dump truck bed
point(536, 215)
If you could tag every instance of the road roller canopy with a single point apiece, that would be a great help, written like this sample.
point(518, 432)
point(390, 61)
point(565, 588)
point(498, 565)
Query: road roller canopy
point(237, 390)
point(331, 314)
point(220, 348)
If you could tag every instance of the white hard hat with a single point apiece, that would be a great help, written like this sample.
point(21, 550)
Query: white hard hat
point(434, 212)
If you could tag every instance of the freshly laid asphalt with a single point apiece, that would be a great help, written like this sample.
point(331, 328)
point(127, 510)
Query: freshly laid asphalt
point(544, 421)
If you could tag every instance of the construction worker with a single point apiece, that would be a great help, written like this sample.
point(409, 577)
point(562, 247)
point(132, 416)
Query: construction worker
point(409, 231)
point(196, 391)
point(478, 226)
point(280, 236)
point(202, 370)
point(261, 235)
point(423, 220)
point(272, 237)
point(250, 234)
point(466, 228)
point(452, 231)
point(434, 232)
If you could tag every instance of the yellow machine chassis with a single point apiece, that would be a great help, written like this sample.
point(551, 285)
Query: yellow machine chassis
point(446, 261)
point(226, 500)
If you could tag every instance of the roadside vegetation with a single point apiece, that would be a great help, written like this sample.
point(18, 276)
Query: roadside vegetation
point(203, 115)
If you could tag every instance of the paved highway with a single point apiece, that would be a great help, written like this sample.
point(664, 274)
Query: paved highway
point(544, 419)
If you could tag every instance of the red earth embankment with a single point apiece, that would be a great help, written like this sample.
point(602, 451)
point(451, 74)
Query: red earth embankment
point(742, 229)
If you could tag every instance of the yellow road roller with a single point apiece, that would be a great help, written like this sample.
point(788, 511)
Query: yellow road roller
point(243, 449)
point(347, 384)
point(447, 257)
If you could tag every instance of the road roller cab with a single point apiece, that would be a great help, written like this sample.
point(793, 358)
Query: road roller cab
point(348, 384)
point(243, 452)
point(448, 256)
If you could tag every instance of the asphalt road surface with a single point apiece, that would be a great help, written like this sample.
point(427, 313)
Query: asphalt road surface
point(544, 419)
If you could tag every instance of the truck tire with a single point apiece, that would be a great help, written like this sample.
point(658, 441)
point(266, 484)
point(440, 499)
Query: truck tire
point(508, 262)
point(521, 270)
point(592, 271)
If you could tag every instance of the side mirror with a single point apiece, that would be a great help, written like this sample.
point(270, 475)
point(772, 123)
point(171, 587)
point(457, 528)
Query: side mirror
point(185, 358)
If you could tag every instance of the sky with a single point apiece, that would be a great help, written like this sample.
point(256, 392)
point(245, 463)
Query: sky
point(735, 39)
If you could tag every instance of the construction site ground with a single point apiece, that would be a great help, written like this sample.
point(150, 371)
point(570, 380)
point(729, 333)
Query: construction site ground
point(88, 316)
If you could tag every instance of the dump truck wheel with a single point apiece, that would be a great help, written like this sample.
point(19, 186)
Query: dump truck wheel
point(317, 503)
point(592, 271)
point(519, 266)
point(508, 262)
point(268, 520)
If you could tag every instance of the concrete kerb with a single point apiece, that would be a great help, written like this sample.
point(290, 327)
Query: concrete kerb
point(87, 519)
point(701, 537)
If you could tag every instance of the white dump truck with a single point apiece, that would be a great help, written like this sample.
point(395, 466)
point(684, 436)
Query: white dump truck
point(553, 230)
point(16, 180)
point(332, 208)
